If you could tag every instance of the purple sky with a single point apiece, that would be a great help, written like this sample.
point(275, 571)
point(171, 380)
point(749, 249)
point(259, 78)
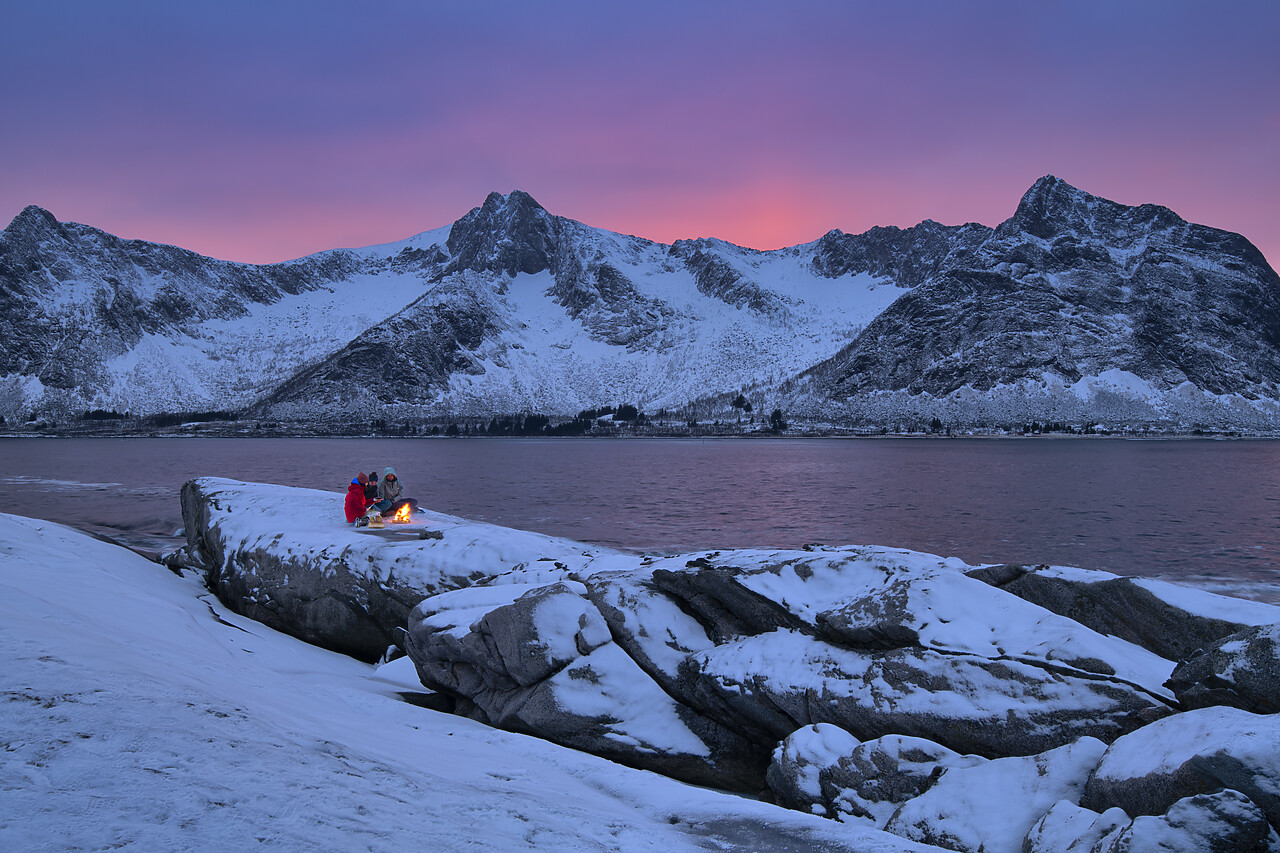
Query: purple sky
point(266, 130)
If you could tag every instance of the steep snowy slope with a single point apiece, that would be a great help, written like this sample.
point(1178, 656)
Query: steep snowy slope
point(89, 319)
point(536, 312)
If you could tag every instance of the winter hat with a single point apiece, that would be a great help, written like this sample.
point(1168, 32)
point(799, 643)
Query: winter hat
point(373, 476)
point(362, 479)
point(388, 472)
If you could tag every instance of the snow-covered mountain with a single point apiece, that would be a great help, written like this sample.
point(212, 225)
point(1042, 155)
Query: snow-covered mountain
point(1075, 308)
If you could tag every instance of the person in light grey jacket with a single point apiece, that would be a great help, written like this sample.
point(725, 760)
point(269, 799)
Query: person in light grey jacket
point(390, 490)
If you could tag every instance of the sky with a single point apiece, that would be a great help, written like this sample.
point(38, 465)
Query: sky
point(263, 131)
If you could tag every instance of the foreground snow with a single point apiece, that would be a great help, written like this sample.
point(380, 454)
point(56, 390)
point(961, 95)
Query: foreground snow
point(139, 713)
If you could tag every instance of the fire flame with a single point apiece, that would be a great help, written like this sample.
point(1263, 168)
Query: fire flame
point(403, 515)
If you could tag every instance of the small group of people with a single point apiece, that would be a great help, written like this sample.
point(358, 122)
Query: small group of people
point(367, 491)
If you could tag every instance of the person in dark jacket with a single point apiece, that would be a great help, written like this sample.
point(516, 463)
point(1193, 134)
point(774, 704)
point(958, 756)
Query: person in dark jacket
point(357, 504)
point(371, 489)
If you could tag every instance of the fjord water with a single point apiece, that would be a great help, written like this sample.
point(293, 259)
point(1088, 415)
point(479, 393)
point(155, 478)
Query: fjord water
point(1202, 512)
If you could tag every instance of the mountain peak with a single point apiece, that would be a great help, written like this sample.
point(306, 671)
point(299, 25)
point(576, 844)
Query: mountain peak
point(509, 233)
point(516, 200)
point(1048, 206)
point(31, 220)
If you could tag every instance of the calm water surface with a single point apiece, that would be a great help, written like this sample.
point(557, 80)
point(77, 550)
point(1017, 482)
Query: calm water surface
point(1200, 512)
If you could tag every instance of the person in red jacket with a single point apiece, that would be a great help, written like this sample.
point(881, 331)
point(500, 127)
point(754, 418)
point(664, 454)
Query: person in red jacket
point(357, 503)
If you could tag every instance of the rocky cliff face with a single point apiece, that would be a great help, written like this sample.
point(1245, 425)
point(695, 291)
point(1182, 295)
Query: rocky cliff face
point(1076, 308)
point(1074, 286)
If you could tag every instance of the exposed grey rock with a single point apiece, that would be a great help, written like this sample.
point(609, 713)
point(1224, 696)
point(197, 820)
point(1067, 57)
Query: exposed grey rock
point(1223, 822)
point(719, 279)
point(1143, 612)
point(989, 807)
point(510, 234)
point(822, 769)
point(608, 305)
point(1242, 670)
point(723, 605)
point(905, 256)
point(1198, 752)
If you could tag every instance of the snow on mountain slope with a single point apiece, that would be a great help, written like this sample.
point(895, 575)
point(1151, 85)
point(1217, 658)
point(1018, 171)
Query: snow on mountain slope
point(1072, 291)
point(101, 322)
point(223, 363)
point(539, 313)
point(549, 361)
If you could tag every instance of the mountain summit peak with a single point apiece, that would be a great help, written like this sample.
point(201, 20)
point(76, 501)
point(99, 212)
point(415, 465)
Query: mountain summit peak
point(509, 233)
point(1048, 205)
point(32, 218)
point(514, 200)
point(1053, 207)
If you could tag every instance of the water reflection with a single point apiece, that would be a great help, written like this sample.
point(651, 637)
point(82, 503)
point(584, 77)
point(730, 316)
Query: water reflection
point(1203, 511)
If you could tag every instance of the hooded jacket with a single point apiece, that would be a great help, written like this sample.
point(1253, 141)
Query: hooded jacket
point(389, 490)
point(356, 503)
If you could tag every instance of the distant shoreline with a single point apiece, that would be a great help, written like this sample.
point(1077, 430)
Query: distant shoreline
point(221, 430)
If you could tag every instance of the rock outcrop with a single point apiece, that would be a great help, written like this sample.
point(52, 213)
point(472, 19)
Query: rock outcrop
point(1241, 670)
point(1158, 616)
point(822, 769)
point(992, 805)
point(286, 557)
point(1224, 822)
point(757, 644)
point(1199, 752)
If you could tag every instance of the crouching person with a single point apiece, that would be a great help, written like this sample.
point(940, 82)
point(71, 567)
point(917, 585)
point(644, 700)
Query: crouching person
point(357, 504)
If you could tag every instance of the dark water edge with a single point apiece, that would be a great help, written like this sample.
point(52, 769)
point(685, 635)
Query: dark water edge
point(1201, 512)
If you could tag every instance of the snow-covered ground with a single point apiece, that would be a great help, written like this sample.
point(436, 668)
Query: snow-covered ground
point(140, 714)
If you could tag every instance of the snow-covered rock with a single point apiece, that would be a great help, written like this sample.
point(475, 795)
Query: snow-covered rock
point(972, 704)
point(761, 643)
point(1242, 670)
point(287, 558)
point(1224, 822)
point(1170, 620)
point(696, 665)
point(540, 659)
point(989, 807)
point(1198, 752)
point(884, 641)
point(1068, 828)
point(824, 770)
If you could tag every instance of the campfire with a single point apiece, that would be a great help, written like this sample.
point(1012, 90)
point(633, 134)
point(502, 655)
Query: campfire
point(403, 515)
